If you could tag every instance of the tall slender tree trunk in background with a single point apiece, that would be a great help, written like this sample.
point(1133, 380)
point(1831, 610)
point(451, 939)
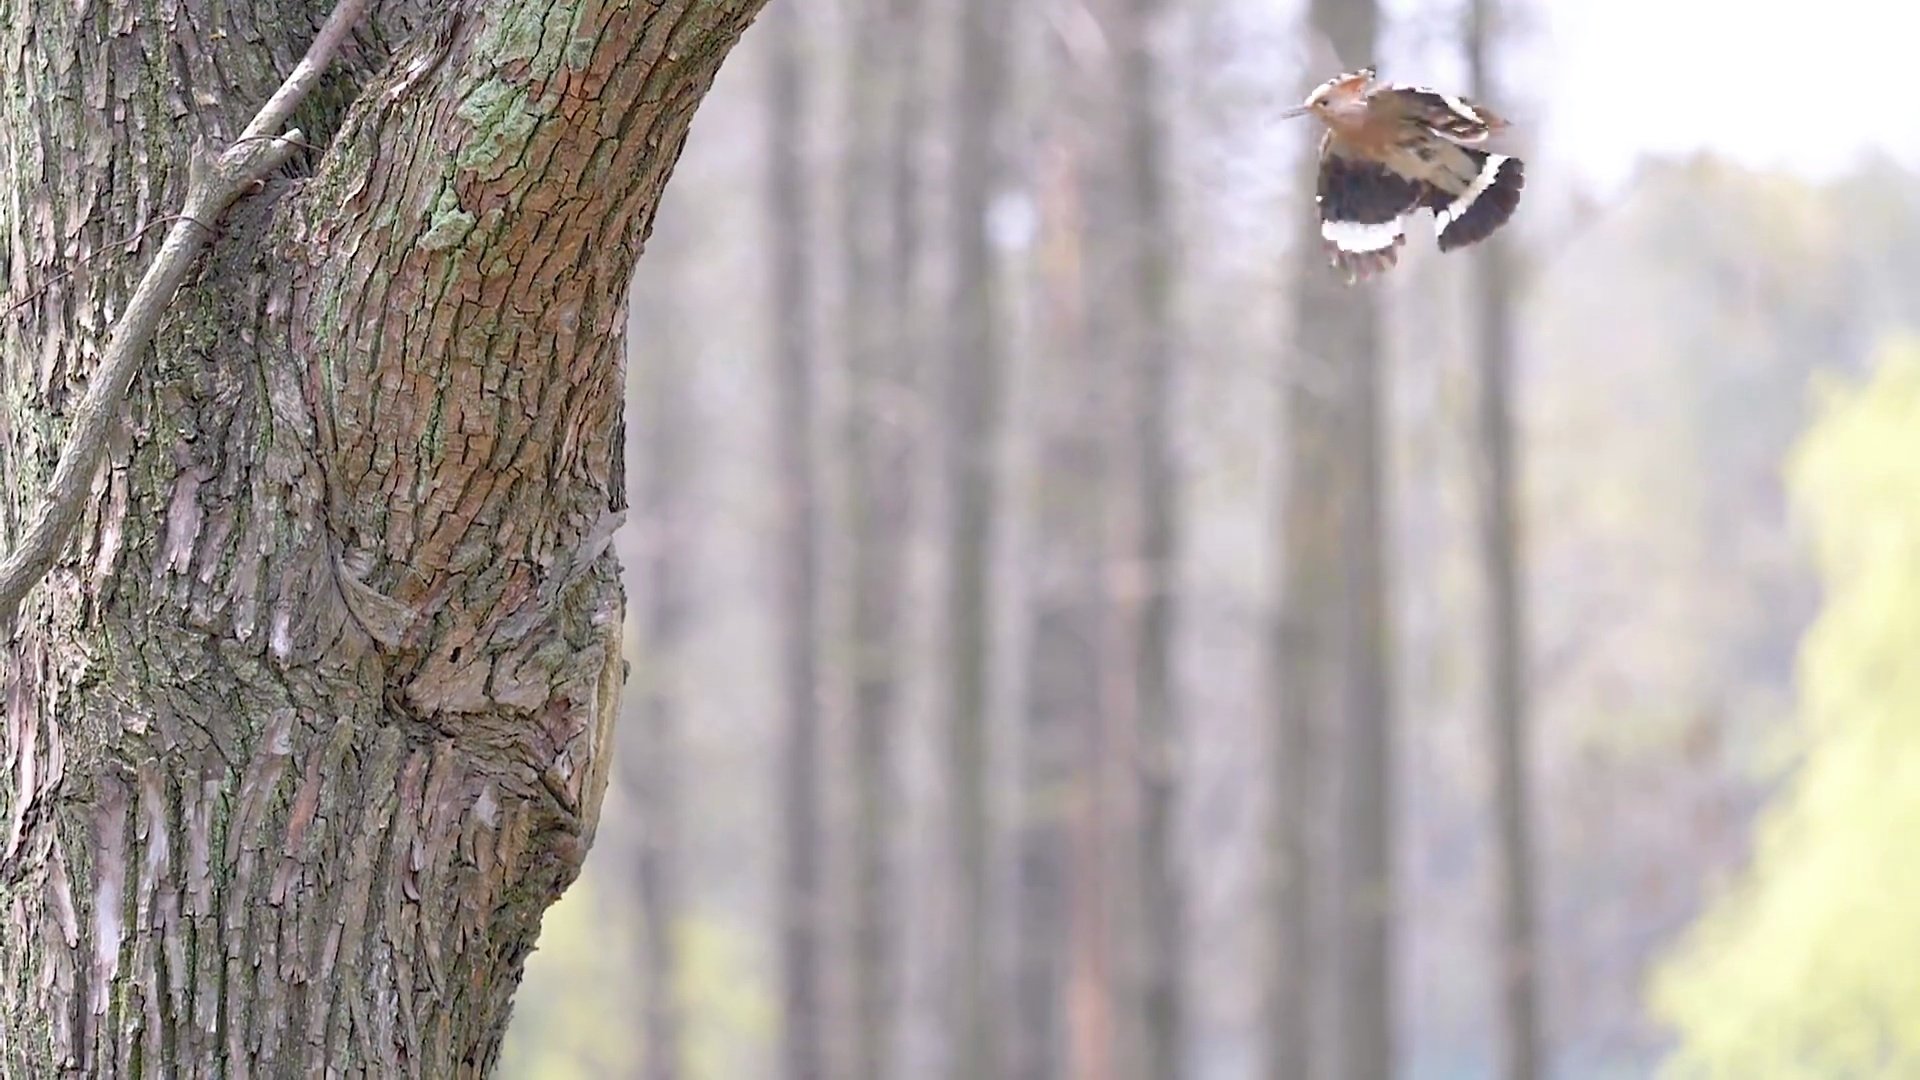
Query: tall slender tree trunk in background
point(879, 251)
point(653, 749)
point(1307, 652)
point(1080, 679)
point(1060, 646)
point(1063, 1005)
point(1060, 663)
point(1364, 850)
point(801, 899)
point(976, 361)
point(1517, 961)
point(1149, 236)
point(1332, 665)
point(1366, 895)
point(310, 722)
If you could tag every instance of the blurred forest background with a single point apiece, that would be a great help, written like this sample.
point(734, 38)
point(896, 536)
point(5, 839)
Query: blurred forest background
point(1074, 635)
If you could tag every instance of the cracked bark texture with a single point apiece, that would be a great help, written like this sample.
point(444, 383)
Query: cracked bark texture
point(311, 722)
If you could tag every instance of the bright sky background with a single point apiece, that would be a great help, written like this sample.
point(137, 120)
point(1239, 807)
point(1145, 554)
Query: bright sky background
point(1810, 86)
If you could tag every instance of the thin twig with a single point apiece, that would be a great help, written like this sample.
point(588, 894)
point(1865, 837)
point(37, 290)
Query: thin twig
point(212, 186)
point(123, 248)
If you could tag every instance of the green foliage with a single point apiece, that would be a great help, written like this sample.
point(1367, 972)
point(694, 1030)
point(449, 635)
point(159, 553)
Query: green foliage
point(1806, 967)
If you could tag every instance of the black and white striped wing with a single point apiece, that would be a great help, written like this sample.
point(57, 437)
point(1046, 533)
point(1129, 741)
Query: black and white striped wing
point(1449, 116)
point(1363, 208)
point(1482, 205)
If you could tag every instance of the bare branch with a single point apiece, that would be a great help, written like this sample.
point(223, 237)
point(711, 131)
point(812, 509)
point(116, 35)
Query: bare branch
point(306, 74)
point(212, 187)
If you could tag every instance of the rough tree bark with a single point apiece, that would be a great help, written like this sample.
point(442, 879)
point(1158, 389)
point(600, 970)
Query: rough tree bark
point(1502, 557)
point(976, 358)
point(310, 722)
point(802, 899)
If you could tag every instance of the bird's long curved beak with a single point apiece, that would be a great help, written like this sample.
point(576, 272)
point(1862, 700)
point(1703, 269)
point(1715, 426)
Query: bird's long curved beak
point(1295, 112)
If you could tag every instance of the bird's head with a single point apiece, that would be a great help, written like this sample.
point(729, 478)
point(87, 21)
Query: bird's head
point(1342, 93)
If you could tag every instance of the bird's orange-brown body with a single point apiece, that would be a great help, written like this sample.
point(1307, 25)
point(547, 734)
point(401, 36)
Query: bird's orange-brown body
point(1390, 150)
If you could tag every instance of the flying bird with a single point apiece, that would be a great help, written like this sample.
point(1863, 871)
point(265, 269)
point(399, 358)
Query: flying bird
point(1390, 150)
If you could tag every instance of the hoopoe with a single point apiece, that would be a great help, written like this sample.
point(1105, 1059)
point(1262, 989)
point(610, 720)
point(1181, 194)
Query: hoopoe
point(1390, 150)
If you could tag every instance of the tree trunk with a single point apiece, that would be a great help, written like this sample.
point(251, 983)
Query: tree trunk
point(1075, 882)
point(1364, 893)
point(1332, 664)
point(975, 364)
point(1307, 651)
point(1517, 962)
point(1149, 233)
point(1063, 1015)
point(311, 721)
point(879, 251)
point(802, 899)
point(654, 750)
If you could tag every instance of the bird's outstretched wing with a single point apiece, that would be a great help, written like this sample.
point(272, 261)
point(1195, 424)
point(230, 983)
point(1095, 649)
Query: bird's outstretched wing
point(1449, 116)
point(1467, 214)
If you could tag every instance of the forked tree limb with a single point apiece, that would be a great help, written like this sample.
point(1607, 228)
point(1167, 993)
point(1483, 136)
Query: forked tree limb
point(213, 185)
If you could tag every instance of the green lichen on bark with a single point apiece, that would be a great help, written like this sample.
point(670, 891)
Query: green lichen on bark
point(449, 224)
point(501, 121)
point(543, 40)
